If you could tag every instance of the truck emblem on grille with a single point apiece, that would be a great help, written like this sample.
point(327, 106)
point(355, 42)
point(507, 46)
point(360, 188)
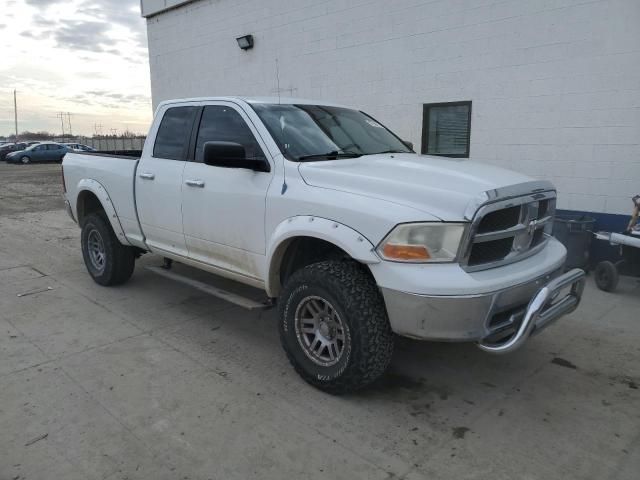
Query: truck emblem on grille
point(531, 228)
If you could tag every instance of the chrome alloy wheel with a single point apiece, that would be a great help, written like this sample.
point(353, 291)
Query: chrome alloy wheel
point(95, 247)
point(320, 331)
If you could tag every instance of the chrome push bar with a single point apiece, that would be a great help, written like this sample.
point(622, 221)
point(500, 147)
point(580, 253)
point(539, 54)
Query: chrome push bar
point(543, 309)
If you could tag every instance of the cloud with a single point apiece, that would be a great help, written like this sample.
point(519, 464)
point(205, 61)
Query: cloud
point(81, 35)
point(60, 48)
point(122, 12)
point(42, 3)
point(89, 34)
point(40, 21)
point(129, 97)
point(28, 34)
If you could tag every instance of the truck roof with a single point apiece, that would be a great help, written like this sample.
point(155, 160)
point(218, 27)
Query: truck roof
point(254, 100)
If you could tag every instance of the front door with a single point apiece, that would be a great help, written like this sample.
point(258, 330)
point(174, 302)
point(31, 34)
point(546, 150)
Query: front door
point(39, 153)
point(158, 182)
point(224, 208)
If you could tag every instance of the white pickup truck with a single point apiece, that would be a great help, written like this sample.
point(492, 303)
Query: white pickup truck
point(351, 233)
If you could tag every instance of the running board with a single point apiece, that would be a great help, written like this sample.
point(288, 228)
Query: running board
point(234, 298)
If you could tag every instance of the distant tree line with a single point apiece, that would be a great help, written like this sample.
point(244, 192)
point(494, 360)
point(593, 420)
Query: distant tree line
point(43, 135)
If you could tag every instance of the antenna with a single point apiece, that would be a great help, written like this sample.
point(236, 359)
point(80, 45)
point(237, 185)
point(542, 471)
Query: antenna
point(278, 80)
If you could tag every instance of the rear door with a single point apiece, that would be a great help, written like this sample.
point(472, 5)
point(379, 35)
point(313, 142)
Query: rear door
point(224, 208)
point(54, 152)
point(158, 182)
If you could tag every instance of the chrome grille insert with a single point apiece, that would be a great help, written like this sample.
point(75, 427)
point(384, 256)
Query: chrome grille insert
point(507, 230)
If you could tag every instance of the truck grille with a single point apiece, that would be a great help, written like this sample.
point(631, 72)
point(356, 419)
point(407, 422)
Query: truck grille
point(509, 230)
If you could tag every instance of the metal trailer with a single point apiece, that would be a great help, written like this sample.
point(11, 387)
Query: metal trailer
point(606, 272)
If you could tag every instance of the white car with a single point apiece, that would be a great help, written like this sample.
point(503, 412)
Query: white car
point(351, 233)
point(79, 147)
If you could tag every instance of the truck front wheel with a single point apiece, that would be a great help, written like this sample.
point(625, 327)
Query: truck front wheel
point(107, 260)
point(334, 326)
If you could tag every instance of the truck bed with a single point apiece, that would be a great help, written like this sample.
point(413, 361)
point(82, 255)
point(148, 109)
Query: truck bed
point(115, 173)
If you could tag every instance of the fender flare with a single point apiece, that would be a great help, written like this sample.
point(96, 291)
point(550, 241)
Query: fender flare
point(342, 236)
point(101, 193)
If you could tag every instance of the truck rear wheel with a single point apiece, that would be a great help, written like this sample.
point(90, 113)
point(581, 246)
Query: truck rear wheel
point(334, 326)
point(107, 260)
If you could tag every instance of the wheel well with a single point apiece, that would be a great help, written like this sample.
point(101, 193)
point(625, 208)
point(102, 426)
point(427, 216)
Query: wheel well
point(300, 252)
point(87, 203)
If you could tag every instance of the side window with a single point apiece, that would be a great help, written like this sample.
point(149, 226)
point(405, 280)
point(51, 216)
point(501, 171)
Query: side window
point(224, 124)
point(173, 133)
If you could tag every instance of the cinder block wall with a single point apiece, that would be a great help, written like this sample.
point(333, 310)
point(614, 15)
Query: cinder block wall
point(555, 84)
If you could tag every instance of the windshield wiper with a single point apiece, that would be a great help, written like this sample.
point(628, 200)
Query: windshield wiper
point(387, 151)
point(329, 155)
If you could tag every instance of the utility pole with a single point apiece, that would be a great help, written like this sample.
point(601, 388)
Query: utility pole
point(15, 111)
point(60, 115)
point(69, 122)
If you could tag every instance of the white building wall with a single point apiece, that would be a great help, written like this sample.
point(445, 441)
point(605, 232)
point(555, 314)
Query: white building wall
point(555, 84)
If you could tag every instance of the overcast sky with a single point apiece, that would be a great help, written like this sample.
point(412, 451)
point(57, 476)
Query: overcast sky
point(86, 57)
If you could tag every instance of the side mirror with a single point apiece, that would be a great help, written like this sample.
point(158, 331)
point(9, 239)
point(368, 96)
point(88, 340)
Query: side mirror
point(408, 144)
point(231, 155)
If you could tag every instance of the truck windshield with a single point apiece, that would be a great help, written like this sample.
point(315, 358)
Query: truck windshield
point(316, 132)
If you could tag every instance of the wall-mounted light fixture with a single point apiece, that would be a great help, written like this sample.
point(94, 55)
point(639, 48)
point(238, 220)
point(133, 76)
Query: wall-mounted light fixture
point(245, 42)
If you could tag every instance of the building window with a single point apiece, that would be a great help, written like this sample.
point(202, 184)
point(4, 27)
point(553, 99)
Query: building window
point(446, 129)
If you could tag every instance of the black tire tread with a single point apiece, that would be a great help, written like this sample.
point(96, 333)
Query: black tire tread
point(372, 338)
point(122, 257)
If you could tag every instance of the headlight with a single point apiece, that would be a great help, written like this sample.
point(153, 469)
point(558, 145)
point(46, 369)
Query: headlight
point(422, 242)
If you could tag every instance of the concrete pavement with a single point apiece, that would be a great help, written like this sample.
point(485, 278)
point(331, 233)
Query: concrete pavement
point(154, 380)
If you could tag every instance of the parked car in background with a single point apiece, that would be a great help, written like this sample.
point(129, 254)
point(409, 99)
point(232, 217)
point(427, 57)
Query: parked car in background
point(7, 148)
point(79, 147)
point(40, 152)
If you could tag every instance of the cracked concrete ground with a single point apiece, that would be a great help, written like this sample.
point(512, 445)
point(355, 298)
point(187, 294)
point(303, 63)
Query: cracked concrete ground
point(154, 380)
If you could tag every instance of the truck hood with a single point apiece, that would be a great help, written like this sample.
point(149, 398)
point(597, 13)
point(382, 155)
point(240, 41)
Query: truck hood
point(441, 187)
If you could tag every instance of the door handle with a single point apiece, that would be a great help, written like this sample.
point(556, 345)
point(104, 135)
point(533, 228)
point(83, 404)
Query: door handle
point(195, 183)
point(147, 176)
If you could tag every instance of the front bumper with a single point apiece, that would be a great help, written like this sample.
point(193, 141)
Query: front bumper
point(499, 321)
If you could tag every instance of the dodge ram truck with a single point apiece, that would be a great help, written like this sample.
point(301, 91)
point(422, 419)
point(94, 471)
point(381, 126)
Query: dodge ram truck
point(352, 235)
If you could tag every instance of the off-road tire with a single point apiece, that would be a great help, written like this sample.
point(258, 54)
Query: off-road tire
point(355, 296)
point(606, 276)
point(119, 259)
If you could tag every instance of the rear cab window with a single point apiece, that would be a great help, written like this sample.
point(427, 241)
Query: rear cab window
point(172, 138)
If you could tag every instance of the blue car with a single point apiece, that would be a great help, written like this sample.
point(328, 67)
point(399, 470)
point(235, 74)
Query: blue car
point(40, 152)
